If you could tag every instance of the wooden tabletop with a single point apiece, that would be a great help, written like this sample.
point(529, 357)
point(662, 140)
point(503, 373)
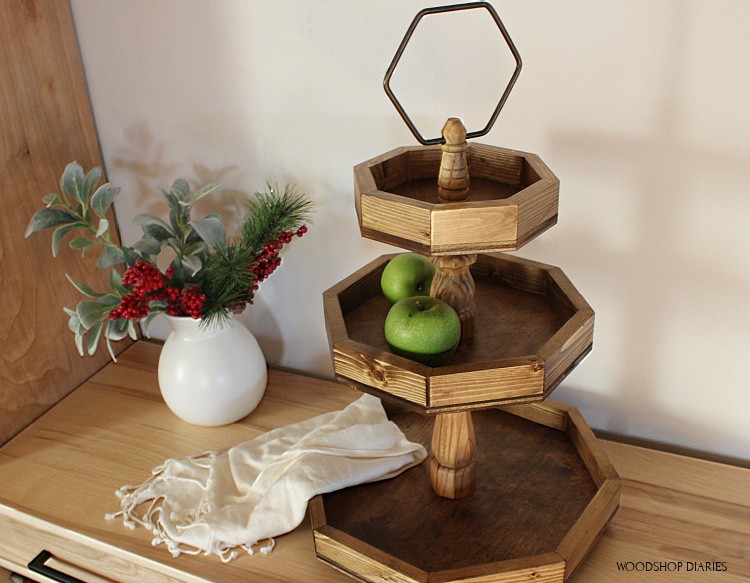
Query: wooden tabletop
point(58, 478)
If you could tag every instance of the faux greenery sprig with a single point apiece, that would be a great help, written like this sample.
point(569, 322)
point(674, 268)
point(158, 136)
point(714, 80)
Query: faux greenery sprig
point(209, 276)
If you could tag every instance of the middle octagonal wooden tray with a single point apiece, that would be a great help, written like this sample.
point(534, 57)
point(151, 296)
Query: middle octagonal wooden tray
point(532, 327)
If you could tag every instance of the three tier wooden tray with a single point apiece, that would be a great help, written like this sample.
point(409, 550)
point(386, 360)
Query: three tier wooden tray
point(516, 487)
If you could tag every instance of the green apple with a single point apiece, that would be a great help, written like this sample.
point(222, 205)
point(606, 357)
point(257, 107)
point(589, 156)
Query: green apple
point(407, 275)
point(424, 329)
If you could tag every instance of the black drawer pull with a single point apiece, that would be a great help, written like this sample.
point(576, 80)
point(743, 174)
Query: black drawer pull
point(38, 566)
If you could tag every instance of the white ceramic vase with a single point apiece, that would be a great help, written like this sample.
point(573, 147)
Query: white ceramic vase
point(211, 375)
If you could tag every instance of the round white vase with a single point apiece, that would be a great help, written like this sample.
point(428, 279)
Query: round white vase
point(211, 375)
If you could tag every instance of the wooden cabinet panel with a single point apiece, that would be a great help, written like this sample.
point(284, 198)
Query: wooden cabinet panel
point(46, 122)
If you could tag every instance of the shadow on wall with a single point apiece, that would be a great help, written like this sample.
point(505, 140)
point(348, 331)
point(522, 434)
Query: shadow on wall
point(143, 160)
point(628, 420)
point(681, 328)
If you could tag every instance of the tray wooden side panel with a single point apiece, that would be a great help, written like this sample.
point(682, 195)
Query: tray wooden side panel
point(523, 274)
point(537, 209)
point(362, 365)
point(567, 348)
point(456, 228)
point(363, 561)
point(547, 568)
point(424, 162)
point(524, 378)
point(383, 213)
point(589, 528)
point(497, 164)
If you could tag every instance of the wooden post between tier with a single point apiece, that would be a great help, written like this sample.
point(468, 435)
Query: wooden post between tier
point(452, 469)
point(454, 284)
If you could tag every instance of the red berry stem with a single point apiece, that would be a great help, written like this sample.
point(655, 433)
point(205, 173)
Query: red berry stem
point(149, 284)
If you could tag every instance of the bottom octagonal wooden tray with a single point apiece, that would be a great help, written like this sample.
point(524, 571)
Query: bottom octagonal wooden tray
point(545, 493)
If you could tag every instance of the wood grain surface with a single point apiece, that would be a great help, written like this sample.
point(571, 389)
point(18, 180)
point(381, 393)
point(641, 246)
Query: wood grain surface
point(57, 479)
point(46, 122)
point(453, 177)
point(531, 489)
point(507, 198)
point(531, 327)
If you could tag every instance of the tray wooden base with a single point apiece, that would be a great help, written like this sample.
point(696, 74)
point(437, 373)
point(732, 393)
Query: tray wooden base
point(545, 493)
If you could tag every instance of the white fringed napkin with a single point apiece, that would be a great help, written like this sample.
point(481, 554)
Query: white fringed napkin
point(223, 503)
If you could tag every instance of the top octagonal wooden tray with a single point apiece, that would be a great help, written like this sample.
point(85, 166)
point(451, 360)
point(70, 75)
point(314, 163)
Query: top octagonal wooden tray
point(513, 197)
point(532, 327)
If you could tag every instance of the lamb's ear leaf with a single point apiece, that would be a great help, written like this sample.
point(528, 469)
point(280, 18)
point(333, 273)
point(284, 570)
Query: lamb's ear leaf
point(93, 338)
point(73, 323)
point(154, 226)
point(51, 198)
point(148, 245)
point(205, 191)
point(90, 182)
point(110, 325)
point(156, 309)
point(115, 280)
point(89, 313)
point(181, 189)
point(59, 233)
point(48, 217)
point(110, 256)
point(79, 340)
point(102, 199)
point(192, 263)
point(81, 243)
point(103, 227)
point(211, 230)
point(84, 288)
point(72, 181)
point(118, 330)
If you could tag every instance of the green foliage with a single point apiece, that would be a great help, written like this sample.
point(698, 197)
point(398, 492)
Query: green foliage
point(229, 280)
point(204, 257)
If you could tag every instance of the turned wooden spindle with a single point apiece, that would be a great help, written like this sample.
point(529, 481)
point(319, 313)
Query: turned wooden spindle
point(454, 284)
point(452, 471)
point(453, 180)
point(452, 468)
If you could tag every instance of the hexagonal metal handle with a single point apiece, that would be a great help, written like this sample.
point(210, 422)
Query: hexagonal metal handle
point(412, 27)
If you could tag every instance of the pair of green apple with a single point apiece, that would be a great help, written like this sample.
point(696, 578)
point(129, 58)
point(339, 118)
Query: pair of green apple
point(418, 326)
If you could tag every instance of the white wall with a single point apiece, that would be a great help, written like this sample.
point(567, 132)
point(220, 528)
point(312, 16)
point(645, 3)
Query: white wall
point(639, 107)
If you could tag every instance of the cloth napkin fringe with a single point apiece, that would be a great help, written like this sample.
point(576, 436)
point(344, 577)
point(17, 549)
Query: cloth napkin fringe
point(223, 504)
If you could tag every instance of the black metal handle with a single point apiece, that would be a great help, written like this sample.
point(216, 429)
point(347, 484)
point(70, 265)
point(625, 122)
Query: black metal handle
point(438, 10)
point(37, 565)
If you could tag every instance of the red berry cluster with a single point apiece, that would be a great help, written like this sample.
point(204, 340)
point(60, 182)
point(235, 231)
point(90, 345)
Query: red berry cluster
point(189, 302)
point(144, 277)
point(131, 307)
point(150, 285)
point(268, 261)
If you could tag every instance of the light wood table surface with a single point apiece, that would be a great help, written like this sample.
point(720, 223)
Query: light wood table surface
point(58, 478)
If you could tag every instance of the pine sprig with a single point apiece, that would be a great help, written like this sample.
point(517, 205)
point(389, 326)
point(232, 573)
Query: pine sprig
point(234, 271)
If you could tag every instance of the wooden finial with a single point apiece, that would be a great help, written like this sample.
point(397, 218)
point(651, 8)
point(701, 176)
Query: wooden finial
point(453, 180)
